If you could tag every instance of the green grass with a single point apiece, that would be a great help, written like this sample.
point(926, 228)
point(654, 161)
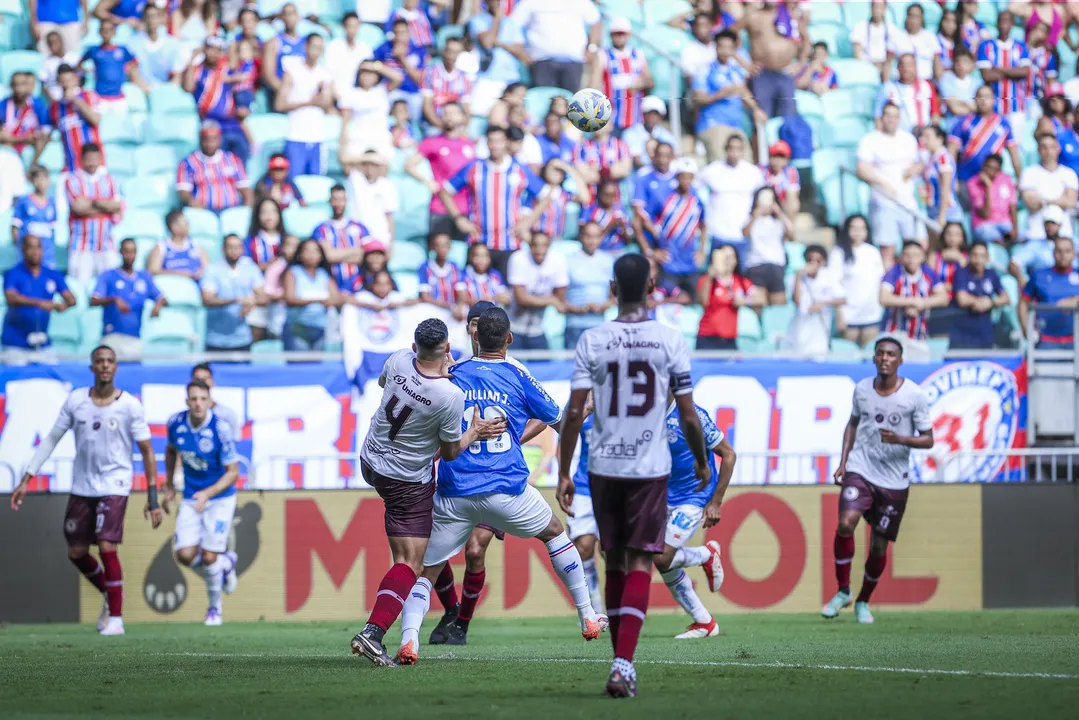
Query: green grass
point(762, 666)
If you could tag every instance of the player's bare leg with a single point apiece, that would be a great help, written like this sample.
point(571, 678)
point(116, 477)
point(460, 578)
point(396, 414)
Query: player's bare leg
point(456, 632)
point(629, 580)
point(93, 571)
point(843, 547)
point(567, 563)
point(586, 546)
point(395, 586)
point(114, 588)
point(671, 564)
point(874, 568)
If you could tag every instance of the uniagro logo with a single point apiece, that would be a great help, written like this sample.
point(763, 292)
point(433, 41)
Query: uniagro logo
point(974, 408)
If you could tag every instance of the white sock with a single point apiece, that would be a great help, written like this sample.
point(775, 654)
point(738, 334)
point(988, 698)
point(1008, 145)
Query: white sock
point(416, 606)
point(214, 574)
point(591, 575)
point(570, 568)
point(690, 557)
point(681, 588)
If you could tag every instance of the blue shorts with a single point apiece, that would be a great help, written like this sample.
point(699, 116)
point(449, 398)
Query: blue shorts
point(304, 158)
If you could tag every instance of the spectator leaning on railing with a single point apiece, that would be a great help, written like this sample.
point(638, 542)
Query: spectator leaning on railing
point(1057, 285)
point(231, 291)
point(978, 291)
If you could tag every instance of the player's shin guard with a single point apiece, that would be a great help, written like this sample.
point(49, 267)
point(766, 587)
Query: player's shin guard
point(416, 606)
point(591, 576)
point(114, 582)
point(392, 592)
point(681, 588)
point(444, 588)
point(616, 583)
point(91, 570)
point(690, 557)
point(471, 589)
point(843, 547)
point(874, 568)
point(631, 613)
point(570, 568)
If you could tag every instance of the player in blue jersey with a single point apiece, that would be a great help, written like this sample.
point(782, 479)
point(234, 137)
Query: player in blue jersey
point(204, 443)
point(691, 504)
point(581, 524)
point(489, 483)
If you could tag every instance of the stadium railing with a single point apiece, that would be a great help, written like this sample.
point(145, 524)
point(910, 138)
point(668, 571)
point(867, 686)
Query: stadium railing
point(919, 217)
point(11, 476)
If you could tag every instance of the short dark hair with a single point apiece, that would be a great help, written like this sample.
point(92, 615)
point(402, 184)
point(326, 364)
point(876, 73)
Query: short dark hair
point(172, 216)
point(65, 68)
point(455, 39)
point(663, 143)
point(492, 329)
point(495, 129)
point(438, 233)
point(99, 348)
point(350, 15)
point(430, 334)
point(36, 170)
point(202, 366)
point(888, 339)
point(89, 148)
point(815, 249)
point(128, 240)
point(887, 105)
point(230, 235)
point(979, 243)
point(515, 134)
point(727, 35)
point(444, 105)
point(312, 36)
point(821, 45)
point(399, 21)
point(337, 187)
point(995, 156)
point(915, 243)
point(962, 51)
point(631, 273)
point(198, 384)
point(936, 130)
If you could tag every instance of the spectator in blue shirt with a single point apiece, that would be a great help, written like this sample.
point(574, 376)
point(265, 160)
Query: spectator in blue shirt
point(720, 93)
point(401, 54)
point(1058, 285)
point(588, 295)
point(1034, 255)
point(122, 11)
point(123, 292)
point(553, 142)
point(231, 289)
point(113, 66)
point(977, 291)
point(649, 183)
point(65, 17)
point(501, 47)
point(653, 111)
point(159, 56)
point(30, 289)
point(35, 214)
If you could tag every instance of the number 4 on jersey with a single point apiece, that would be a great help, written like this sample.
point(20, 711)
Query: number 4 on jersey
point(398, 420)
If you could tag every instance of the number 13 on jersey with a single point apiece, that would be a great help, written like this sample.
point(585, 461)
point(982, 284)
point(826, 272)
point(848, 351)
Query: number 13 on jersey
point(500, 444)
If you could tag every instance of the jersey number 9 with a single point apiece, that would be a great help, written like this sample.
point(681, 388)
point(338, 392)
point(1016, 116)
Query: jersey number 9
point(499, 444)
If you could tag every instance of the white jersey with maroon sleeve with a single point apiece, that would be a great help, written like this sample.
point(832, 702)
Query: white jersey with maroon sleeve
point(416, 414)
point(630, 366)
point(902, 412)
point(105, 439)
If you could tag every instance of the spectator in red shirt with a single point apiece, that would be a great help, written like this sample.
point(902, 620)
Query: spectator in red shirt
point(721, 292)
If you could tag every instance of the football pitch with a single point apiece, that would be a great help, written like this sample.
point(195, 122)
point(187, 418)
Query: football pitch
point(992, 664)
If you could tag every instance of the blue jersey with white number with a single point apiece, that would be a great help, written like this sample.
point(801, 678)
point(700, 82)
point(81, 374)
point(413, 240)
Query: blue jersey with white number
point(580, 476)
point(682, 487)
point(498, 388)
point(205, 451)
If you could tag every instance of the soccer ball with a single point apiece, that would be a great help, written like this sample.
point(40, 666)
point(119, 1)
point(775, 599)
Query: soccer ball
point(589, 110)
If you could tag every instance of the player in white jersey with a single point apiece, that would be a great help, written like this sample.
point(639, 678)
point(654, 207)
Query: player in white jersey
point(889, 417)
point(630, 364)
point(418, 419)
point(108, 424)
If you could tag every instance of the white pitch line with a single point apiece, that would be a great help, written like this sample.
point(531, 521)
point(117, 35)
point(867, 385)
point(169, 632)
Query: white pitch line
point(688, 663)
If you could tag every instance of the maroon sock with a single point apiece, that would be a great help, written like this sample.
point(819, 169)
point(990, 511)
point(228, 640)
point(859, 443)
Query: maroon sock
point(395, 586)
point(444, 588)
point(631, 614)
point(91, 570)
point(471, 587)
point(616, 584)
point(114, 582)
point(874, 568)
point(844, 554)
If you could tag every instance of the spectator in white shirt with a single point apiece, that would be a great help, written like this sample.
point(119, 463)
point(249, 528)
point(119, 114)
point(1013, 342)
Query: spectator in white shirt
point(921, 43)
point(344, 54)
point(959, 85)
point(376, 12)
point(857, 264)
point(158, 54)
point(889, 160)
point(373, 198)
point(731, 183)
point(874, 39)
point(50, 66)
point(538, 279)
point(817, 292)
point(766, 233)
point(364, 111)
point(306, 94)
point(1048, 183)
point(700, 52)
point(561, 35)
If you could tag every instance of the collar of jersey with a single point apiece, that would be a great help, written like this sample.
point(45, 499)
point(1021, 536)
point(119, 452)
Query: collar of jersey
point(205, 423)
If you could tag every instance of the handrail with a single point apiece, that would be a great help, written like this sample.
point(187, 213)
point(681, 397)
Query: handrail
point(916, 214)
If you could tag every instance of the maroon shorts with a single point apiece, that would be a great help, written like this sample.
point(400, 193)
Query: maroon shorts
point(630, 513)
point(882, 508)
point(499, 535)
point(410, 506)
point(88, 520)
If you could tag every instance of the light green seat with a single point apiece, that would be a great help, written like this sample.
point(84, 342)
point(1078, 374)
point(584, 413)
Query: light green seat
point(458, 253)
point(168, 99)
point(851, 72)
point(301, 221)
point(173, 332)
point(749, 324)
point(201, 221)
point(538, 101)
point(52, 158)
point(565, 248)
point(826, 163)
point(143, 248)
point(554, 327)
point(179, 132)
point(999, 257)
point(845, 132)
point(212, 246)
point(315, 188)
point(120, 160)
point(91, 325)
point(139, 223)
point(826, 12)
point(373, 36)
point(839, 103)
point(808, 104)
point(938, 346)
point(116, 127)
point(843, 348)
point(152, 192)
point(668, 39)
point(152, 159)
point(65, 331)
point(771, 129)
point(137, 101)
point(795, 255)
point(775, 321)
point(1011, 286)
point(180, 291)
point(836, 37)
point(236, 221)
point(689, 321)
point(13, 61)
point(407, 257)
point(446, 32)
point(412, 226)
point(407, 283)
point(263, 352)
point(268, 128)
point(849, 194)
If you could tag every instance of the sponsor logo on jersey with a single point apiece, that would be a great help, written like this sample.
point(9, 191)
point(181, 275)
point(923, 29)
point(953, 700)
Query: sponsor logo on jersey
point(207, 432)
point(624, 450)
point(113, 424)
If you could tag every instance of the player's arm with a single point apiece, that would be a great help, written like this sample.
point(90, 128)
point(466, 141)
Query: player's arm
point(232, 474)
point(692, 430)
point(171, 456)
point(727, 457)
point(848, 444)
point(149, 463)
point(922, 425)
point(570, 431)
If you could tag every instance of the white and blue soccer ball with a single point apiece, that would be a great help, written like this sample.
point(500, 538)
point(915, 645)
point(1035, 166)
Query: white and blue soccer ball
point(590, 110)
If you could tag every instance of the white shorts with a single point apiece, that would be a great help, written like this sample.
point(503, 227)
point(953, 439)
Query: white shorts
point(583, 521)
point(209, 529)
point(524, 516)
point(86, 266)
point(683, 522)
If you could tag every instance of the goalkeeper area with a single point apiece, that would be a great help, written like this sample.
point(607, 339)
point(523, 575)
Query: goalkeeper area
point(987, 664)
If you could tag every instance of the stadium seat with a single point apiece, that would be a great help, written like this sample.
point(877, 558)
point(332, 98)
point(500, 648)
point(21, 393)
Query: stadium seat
point(538, 101)
point(771, 129)
point(301, 221)
point(999, 257)
point(747, 344)
point(458, 253)
point(845, 132)
point(180, 291)
point(839, 103)
point(15, 8)
point(808, 104)
point(267, 129)
point(263, 352)
point(119, 128)
point(573, 221)
point(749, 324)
point(153, 159)
point(315, 188)
point(446, 32)
point(775, 321)
point(52, 158)
point(137, 102)
point(170, 99)
point(373, 36)
point(120, 161)
point(565, 248)
point(669, 40)
point(836, 37)
point(172, 333)
point(554, 327)
point(826, 163)
point(938, 346)
point(851, 72)
point(14, 61)
point(407, 256)
point(143, 248)
point(843, 348)
point(202, 222)
point(689, 321)
point(65, 331)
point(1011, 286)
point(210, 244)
point(795, 255)
point(845, 196)
point(628, 9)
point(477, 126)
point(180, 132)
point(236, 221)
point(141, 224)
point(152, 192)
point(407, 283)
point(826, 12)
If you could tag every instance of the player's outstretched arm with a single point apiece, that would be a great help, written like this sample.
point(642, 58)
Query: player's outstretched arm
point(572, 420)
point(694, 434)
point(152, 511)
point(848, 444)
point(44, 450)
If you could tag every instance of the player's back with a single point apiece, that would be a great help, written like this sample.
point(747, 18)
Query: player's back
point(902, 412)
point(105, 440)
point(205, 451)
point(630, 366)
point(498, 388)
point(683, 483)
point(417, 412)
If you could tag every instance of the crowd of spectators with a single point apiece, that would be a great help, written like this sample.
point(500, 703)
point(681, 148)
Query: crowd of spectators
point(442, 98)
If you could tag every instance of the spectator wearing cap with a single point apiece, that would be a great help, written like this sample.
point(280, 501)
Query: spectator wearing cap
point(95, 206)
point(1048, 183)
point(373, 197)
point(978, 291)
point(158, 55)
point(994, 203)
point(177, 254)
point(959, 85)
point(1057, 285)
point(732, 183)
point(446, 154)
point(915, 97)
point(277, 183)
point(364, 110)
point(113, 66)
point(909, 290)
point(1031, 256)
point(24, 118)
point(720, 95)
point(501, 47)
point(342, 240)
point(374, 262)
point(444, 82)
point(410, 60)
point(817, 76)
point(782, 177)
point(277, 50)
point(817, 293)
point(538, 279)
point(123, 292)
point(588, 295)
point(1056, 110)
point(344, 54)
point(653, 110)
point(206, 77)
point(232, 290)
point(623, 74)
point(984, 132)
point(66, 18)
point(676, 223)
point(306, 94)
point(29, 290)
point(210, 177)
point(561, 35)
point(75, 114)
